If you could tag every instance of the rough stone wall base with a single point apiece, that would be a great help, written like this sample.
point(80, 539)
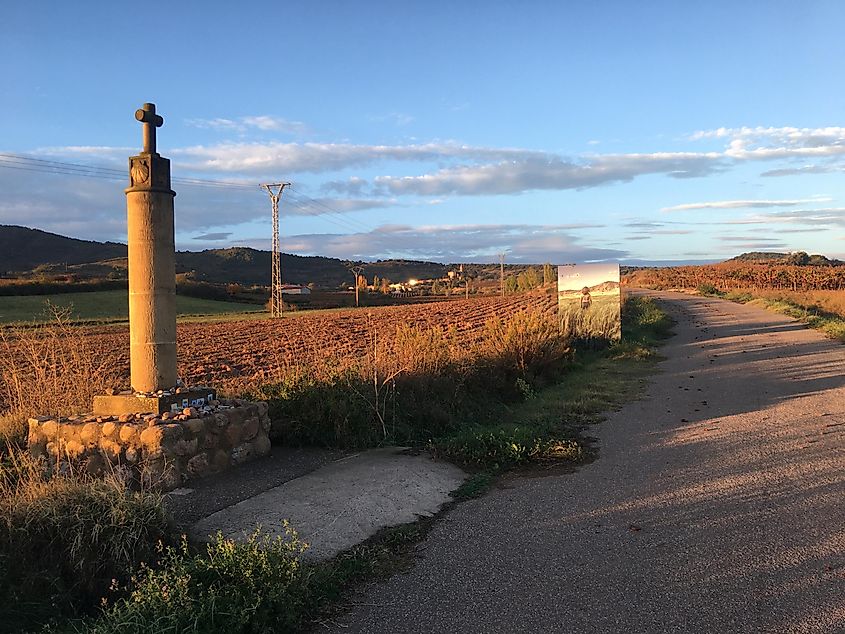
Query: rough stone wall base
point(158, 451)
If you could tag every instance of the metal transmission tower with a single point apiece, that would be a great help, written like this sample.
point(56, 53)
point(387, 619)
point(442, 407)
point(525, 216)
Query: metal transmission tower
point(276, 305)
point(356, 270)
point(502, 272)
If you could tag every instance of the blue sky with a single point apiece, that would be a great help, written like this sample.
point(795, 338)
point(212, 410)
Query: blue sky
point(441, 130)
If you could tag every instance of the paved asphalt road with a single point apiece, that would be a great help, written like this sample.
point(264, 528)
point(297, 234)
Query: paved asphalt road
point(717, 505)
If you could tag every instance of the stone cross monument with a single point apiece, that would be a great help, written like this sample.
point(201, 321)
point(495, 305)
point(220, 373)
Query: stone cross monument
point(152, 264)
point(152, 285)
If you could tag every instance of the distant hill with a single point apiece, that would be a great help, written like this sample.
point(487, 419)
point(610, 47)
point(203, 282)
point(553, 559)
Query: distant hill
point(798, 257)
point(23, 249)
point(759, 256)
point(250, 266)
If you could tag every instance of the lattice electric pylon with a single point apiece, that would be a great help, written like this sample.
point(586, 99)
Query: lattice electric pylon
point(276, 305)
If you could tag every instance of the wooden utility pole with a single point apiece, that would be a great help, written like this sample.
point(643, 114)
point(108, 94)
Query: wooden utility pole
point(276, 304)
point(502, 272)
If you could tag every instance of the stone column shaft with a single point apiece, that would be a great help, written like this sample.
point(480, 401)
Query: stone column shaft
point(152, 274)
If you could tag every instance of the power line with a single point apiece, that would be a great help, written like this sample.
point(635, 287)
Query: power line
point(309, 206)
point(29, 163)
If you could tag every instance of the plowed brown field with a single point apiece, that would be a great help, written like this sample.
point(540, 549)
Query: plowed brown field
point(253, 349)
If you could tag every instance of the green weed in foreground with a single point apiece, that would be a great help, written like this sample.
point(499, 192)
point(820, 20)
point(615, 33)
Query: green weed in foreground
point(259, 585)
point(262, 585)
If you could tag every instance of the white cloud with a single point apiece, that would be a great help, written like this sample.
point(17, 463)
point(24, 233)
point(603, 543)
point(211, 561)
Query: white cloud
point(806, 169)
point(96, 209)
point(213, 237)
point(265, 123)
point(396, 118)
point(306, 206)
point(549, 172)
point(740, 204)
point(324, 157)
point(766, 143)
point(452, 243)
point(352, 186)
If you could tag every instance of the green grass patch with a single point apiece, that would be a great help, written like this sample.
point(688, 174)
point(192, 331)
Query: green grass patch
point(500, 447)
point(831, 324)
point(103, 306)
point(475, 486)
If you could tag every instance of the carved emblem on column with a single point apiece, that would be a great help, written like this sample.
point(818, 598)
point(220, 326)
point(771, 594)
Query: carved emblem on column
point(139, 173)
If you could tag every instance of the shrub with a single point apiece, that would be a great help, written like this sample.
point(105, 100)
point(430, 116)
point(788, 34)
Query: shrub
point(256, 586)
point(527, 344)
point(64, 540)
point(709, 290)
point(317, 408)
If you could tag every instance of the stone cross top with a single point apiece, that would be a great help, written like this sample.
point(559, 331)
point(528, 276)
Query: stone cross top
point(147, 115)
point(152, 264)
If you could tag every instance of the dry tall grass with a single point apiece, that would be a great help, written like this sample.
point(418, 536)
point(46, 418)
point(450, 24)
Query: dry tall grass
point(601, 321)
point(47, 369)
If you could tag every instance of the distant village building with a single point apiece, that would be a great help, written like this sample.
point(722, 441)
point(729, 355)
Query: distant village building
point(293, 289)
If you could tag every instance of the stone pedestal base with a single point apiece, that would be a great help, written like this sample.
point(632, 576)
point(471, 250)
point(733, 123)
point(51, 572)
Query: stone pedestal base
point(152, 404)
point(158, 451)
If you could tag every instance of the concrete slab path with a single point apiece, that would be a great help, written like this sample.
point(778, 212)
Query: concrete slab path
point(343, 503)
point(717, 504)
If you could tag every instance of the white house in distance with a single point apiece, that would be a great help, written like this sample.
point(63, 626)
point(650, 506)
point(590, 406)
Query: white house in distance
point(293, 289)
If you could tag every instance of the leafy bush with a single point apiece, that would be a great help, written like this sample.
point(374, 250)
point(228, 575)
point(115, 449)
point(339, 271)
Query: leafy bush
point(63, 541)
point(256, 586)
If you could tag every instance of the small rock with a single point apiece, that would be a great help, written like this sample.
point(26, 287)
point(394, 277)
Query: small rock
point(128, 433)
point(241, 453)
point(261, 445)
point(198, 465)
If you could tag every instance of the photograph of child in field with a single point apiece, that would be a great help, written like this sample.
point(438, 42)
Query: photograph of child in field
point(589, 301)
